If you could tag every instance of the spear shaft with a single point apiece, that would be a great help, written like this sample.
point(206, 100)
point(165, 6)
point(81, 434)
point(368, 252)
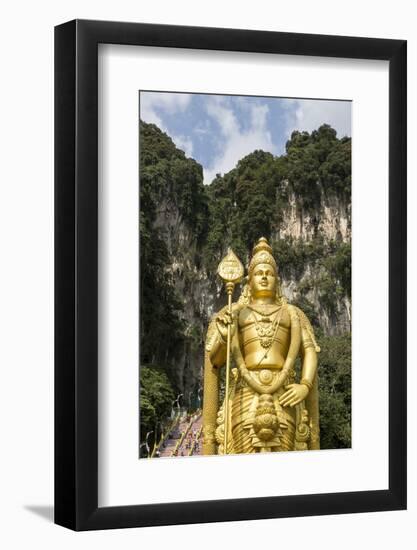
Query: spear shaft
point(229, 288)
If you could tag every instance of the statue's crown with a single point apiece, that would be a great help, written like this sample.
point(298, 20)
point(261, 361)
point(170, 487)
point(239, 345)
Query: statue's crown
point(262, 254)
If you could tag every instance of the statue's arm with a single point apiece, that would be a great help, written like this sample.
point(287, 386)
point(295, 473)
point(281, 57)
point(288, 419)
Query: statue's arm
point(309, 350)
point(295, 393)
point(216, 343)
point(216, 348)
point(309, 359)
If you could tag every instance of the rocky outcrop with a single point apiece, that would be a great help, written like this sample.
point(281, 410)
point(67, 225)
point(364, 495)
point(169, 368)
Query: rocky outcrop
point(332, 221)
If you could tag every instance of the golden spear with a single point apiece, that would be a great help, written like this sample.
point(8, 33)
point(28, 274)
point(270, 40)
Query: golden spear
point(231, 271)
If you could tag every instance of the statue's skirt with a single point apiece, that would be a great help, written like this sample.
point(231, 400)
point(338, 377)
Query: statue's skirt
point(243, 412)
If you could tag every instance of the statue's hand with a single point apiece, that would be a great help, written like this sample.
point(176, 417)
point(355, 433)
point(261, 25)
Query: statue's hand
point(295, 394)
point(223, 321)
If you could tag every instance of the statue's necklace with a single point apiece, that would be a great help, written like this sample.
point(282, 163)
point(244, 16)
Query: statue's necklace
point(263, 310)
point(266, 327)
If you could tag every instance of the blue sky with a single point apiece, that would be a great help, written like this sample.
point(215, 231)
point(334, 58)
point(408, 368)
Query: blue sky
point(217, 130)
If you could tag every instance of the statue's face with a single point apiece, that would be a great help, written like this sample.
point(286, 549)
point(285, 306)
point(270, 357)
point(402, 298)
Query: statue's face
point(263, 281)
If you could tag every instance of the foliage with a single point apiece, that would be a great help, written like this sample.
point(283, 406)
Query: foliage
point(338, 264)
point(156, 397)
point(335, 391)
point(318, 162)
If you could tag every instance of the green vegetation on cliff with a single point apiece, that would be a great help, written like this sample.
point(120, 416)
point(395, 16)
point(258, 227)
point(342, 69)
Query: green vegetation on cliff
point(166, 175)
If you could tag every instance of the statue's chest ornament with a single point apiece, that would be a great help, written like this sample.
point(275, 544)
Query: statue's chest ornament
point(267, 333)
point(266, 326)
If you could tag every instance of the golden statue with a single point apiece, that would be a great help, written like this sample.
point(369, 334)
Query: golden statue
point(264, 409)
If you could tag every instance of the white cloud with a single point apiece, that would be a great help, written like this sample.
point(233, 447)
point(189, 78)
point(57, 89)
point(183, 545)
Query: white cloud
point(238, 142)
point(216, 108)
point(184, 143)
point(167, 102)
point(310, 114)
point(258, 115)
point(203, 128)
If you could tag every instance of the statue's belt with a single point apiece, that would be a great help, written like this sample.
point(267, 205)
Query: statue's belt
point(264, 377)
point(273, 368)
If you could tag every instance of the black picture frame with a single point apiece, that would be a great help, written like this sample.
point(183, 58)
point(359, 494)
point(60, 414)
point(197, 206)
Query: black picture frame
point(76, 272)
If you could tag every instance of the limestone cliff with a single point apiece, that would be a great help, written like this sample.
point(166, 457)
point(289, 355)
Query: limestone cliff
point(308, 227)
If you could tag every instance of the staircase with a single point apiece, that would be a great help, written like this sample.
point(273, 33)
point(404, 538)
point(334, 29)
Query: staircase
point(184, 439)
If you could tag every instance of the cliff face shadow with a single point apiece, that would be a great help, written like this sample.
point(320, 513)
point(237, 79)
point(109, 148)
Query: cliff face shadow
point(45, 512)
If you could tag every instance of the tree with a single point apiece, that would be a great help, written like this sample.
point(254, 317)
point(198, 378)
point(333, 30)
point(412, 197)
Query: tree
point(335, 391)
point(156, 397)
